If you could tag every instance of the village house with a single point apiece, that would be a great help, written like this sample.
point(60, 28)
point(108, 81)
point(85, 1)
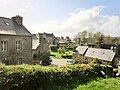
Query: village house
point(64, 42)
point(39, 45)
point(86, 54)
point(50, 38)
point(15, 41)
point(79, 54)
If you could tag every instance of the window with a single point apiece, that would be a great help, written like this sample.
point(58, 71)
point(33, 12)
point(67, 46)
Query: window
point(18, 45)
point(19, 61)
point(6, 23)
point(4, 45)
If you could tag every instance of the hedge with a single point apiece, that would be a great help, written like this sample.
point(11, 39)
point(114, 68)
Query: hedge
point(37, 77)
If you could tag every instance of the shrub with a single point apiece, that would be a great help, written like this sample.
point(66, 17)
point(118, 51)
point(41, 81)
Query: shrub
point(33, 77)
point(54, 48)
point(95, 61)
point(62, 50)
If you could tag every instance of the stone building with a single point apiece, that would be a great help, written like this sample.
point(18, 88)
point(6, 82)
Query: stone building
point(50, 38)
point(106, 55)
point(79, 54)
point(86, 54)
point(15, 41)
point(39, 45)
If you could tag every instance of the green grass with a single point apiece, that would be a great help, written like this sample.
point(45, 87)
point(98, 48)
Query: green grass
point(103, 84)
point(59, 55)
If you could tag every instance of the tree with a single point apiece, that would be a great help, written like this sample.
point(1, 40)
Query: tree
point(90, 37)
point(115, 40)
point(83, 37)
point(108, 39)
point(98, 37)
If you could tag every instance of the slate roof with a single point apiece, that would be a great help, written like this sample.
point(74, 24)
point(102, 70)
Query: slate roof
point(82, 49)
point(9, 26)
point(35, 41)
point(47, 34)
point(102, 54)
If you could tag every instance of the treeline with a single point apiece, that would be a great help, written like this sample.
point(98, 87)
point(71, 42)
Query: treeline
point(90, 37)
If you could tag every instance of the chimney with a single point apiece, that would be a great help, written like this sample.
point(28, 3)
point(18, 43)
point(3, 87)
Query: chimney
point(18, 19)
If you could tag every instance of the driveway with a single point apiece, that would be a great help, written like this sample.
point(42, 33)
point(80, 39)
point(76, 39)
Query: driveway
point(59, 62)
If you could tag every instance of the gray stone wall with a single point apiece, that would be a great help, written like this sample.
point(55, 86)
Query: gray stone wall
point(43, 47)
point(12, 55)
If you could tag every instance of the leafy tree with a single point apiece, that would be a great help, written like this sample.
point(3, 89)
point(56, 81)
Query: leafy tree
point(115, 40)
point(108, 39)
point(98, 37)
point(83, 37)
point(90, 37)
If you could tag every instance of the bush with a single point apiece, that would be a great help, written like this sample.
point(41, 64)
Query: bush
point(62, 50)
point(33, 77)
point(95, 61)
point(54, 48)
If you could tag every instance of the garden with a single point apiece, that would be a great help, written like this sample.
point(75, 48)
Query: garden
point(60, 52)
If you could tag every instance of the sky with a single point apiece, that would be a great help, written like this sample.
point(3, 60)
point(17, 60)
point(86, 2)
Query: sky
point(65, 17)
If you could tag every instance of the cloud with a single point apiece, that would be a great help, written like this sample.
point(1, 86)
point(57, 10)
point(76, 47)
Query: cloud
point(21, 9)
point(91, 20)
point(13, 7)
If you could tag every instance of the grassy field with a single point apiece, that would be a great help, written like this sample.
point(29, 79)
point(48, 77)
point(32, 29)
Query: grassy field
point(59, 55)
point(103, 84)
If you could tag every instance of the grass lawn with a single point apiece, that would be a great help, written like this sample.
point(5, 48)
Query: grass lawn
point(59, 55)
point(103, 84)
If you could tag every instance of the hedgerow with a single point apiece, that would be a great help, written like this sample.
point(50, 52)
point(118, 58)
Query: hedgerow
point(37, 77)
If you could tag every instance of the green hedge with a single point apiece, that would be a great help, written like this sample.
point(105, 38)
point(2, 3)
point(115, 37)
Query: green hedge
point(33, 77)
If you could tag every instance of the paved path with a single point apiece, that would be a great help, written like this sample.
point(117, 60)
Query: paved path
point(59, 62)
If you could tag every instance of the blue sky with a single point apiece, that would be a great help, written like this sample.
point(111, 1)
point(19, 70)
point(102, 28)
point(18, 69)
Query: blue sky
point(60, 16)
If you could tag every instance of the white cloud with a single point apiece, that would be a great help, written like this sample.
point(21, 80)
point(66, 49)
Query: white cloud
point(21, 9)
point(13, 7)
point(91, 20)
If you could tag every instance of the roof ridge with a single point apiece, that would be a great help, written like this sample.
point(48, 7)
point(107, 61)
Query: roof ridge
point(5, 17)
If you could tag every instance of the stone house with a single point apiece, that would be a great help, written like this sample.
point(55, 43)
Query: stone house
point(50, 38)
point(79, 54)
point(105, 55)
point(65, 42)
point(39, 45)
point(15, 41)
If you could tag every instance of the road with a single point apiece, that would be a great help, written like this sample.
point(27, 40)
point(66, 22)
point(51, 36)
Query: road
point(59, 62)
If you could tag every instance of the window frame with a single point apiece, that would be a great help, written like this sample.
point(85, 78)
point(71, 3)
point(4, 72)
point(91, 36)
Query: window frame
point(18, 45)
point(4, 46)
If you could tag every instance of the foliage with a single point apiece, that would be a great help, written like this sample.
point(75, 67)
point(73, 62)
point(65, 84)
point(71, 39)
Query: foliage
point(102, 84)
point(34, 56)
point(44, 57)
point(33, 77)
point(83, 36)
point(54, 48)
point(62, 50)
point(90, 37)
point(95, 61)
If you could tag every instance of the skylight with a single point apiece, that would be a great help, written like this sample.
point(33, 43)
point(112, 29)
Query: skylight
point(7, 23)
